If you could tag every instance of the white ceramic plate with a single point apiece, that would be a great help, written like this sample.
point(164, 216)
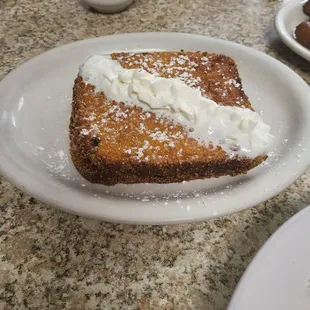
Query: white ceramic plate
point(278, 277)
point(34, 117)
point(287, 19)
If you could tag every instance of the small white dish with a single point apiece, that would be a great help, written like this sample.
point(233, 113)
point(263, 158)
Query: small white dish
point(287, 19)
point(35, 109)
point(279, 276)
point(108, 6)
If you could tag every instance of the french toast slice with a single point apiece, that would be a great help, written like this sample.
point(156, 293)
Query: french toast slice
point(113, 142)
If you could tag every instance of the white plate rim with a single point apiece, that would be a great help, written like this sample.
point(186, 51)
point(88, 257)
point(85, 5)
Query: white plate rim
point(10, 172)
point(261, 253)
point(286, 37)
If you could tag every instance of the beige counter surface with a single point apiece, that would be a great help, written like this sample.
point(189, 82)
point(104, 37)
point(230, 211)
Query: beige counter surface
point(53, 260)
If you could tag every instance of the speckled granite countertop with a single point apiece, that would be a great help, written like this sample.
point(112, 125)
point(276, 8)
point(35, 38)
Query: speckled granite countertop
point(53, 260)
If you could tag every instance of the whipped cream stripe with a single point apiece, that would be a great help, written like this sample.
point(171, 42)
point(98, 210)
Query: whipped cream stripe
point(237, 130)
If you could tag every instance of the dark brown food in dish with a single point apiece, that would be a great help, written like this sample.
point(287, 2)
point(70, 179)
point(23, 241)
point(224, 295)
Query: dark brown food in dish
point(306, 8)
point(302, 33)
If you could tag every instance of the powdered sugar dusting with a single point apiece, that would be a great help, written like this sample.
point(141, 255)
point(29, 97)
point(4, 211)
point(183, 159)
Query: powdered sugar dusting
point(140, 151)
point(159, 136)
point(233, 82)
point(180, 67)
